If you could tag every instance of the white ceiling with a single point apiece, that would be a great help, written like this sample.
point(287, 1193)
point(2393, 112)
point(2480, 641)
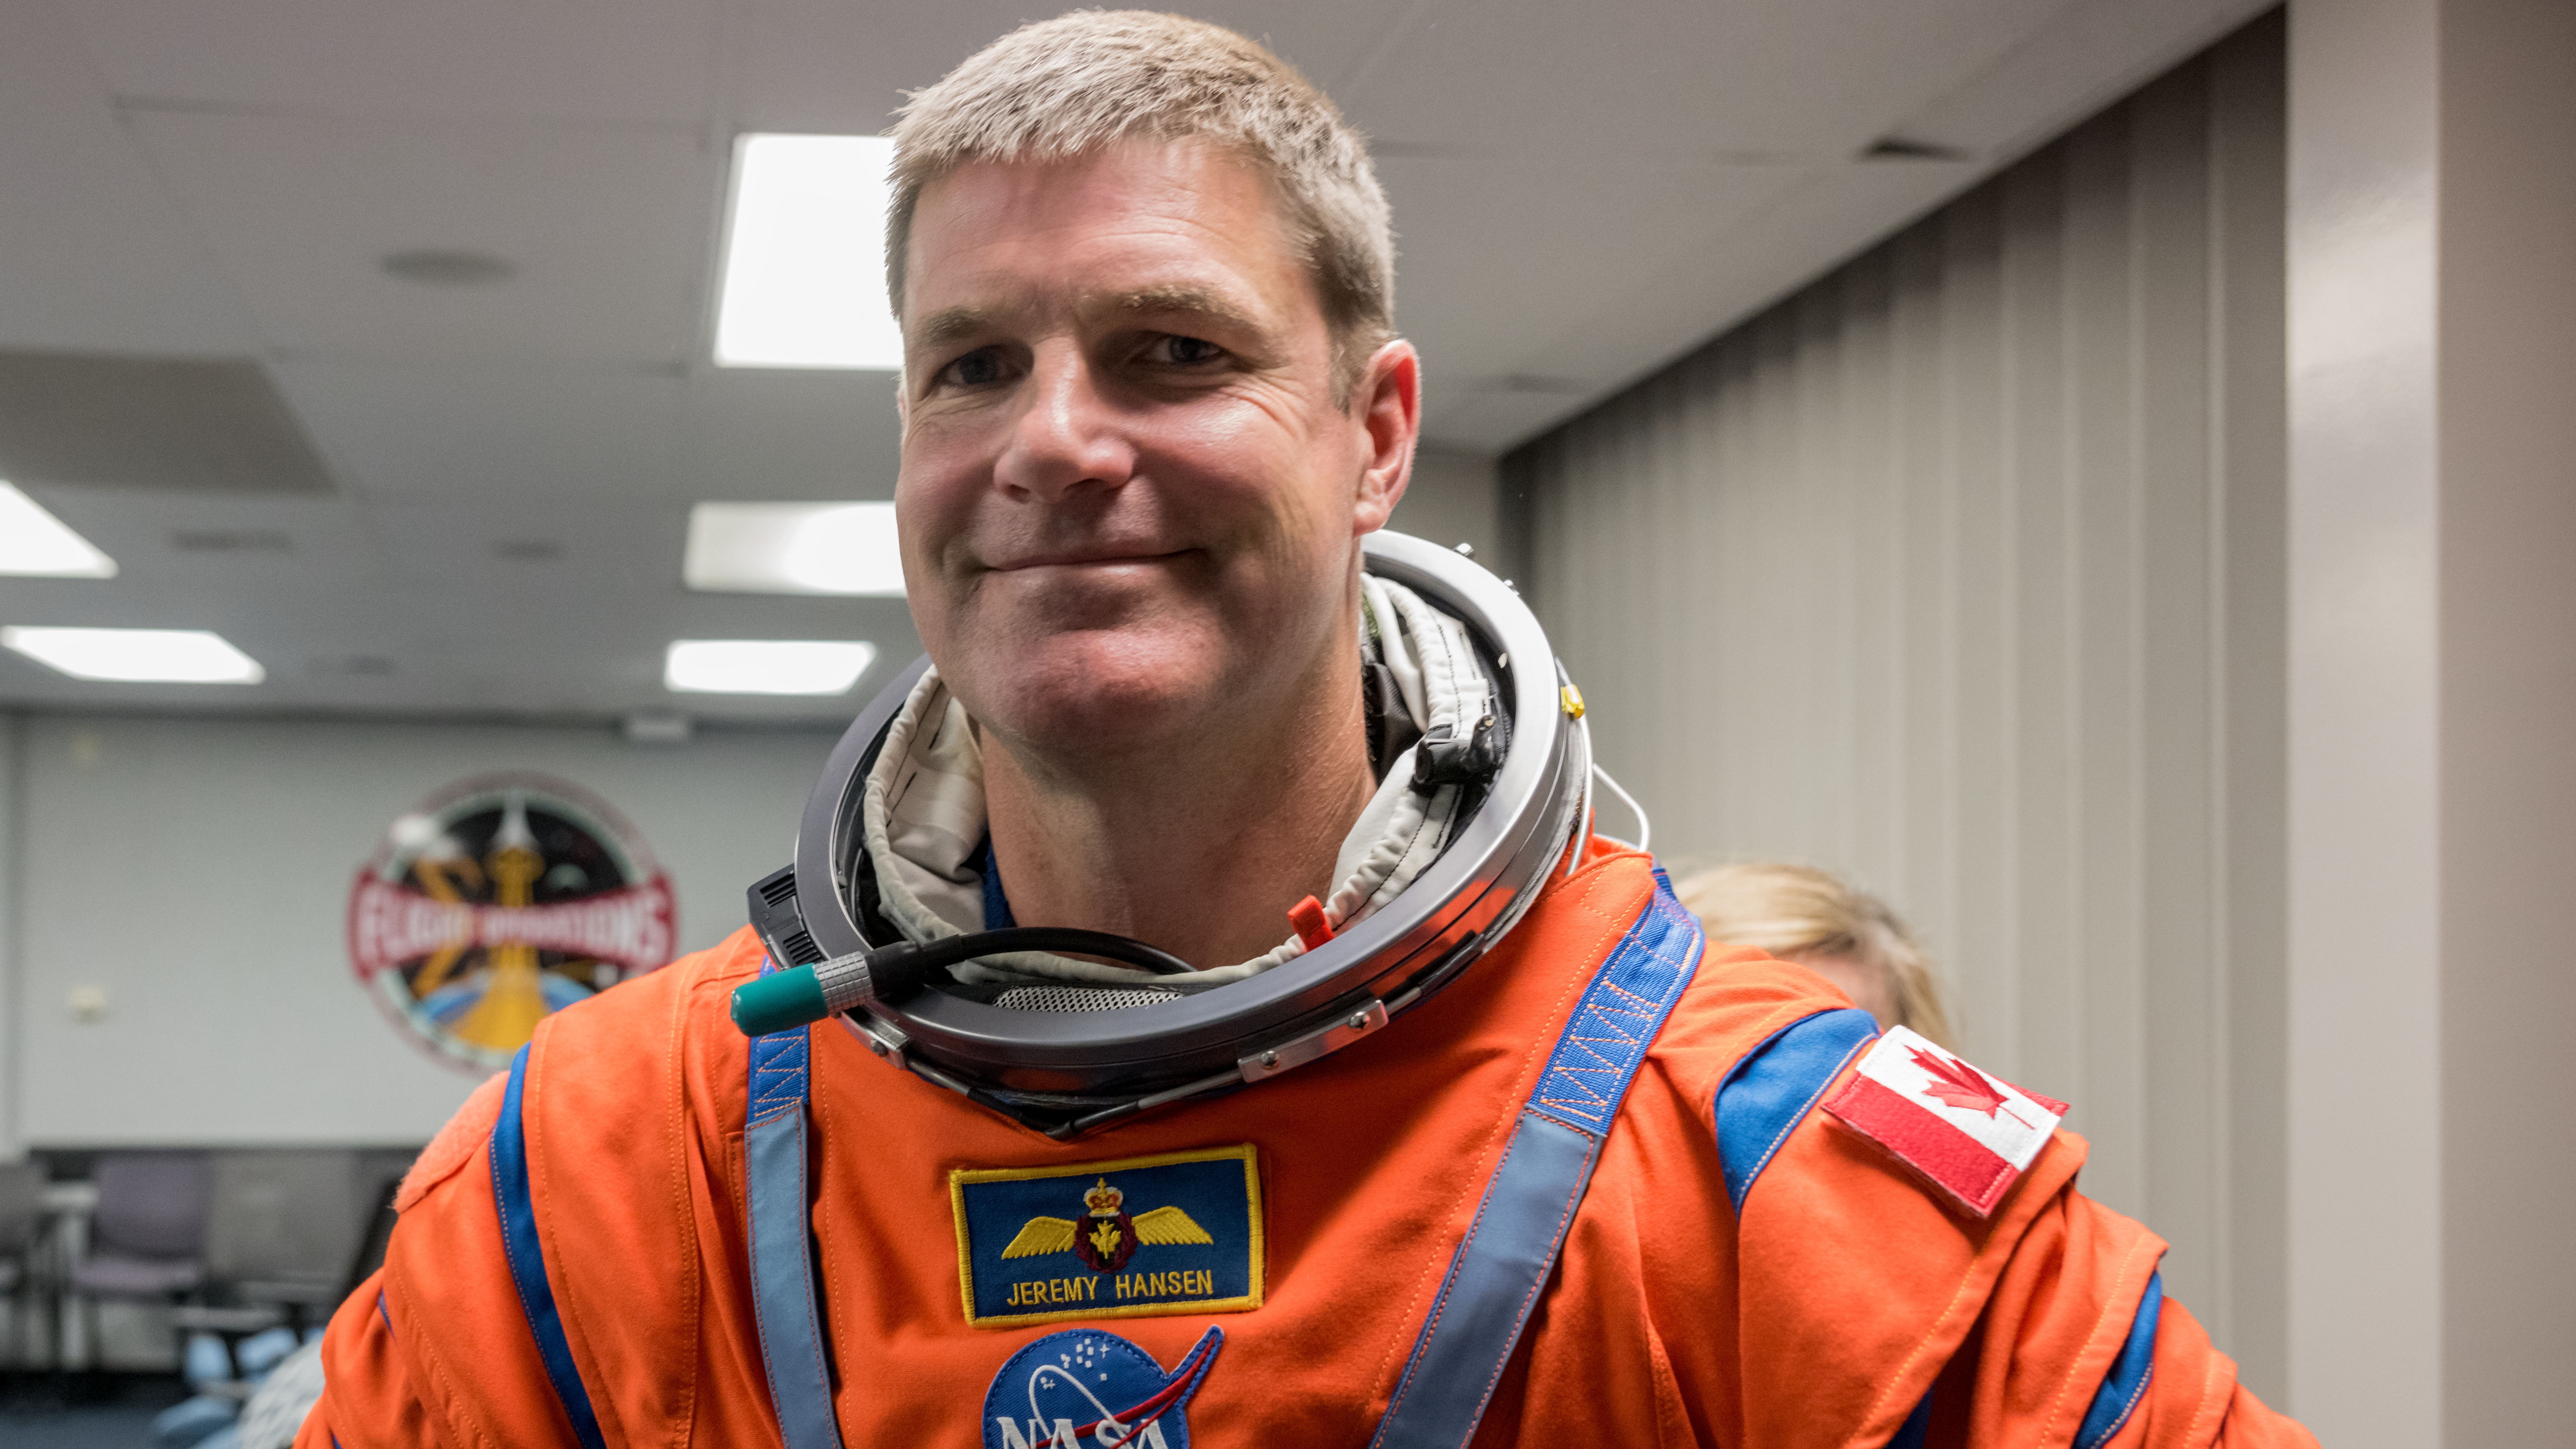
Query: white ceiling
point(1582, 191)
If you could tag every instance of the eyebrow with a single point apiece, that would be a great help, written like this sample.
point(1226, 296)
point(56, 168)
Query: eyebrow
point(948, 324)
point(1184, 297)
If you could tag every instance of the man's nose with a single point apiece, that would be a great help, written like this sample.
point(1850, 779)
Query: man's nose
point(1067, 437)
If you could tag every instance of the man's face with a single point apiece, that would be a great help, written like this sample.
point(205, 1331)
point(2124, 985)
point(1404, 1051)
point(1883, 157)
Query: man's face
point(1129, 502)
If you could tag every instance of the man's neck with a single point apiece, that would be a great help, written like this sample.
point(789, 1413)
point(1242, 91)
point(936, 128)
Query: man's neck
point(1199, 849)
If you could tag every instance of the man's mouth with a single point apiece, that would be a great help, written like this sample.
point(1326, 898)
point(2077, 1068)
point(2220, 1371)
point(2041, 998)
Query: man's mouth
point(1085, 558)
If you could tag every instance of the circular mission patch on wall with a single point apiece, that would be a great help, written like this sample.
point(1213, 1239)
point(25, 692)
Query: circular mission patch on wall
point(498, 900)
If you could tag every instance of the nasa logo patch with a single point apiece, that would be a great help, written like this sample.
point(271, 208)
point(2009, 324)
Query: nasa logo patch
point(1086, 1389)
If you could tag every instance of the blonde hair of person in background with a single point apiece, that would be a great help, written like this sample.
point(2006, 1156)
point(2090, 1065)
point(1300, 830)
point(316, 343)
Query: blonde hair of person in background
point(1061, 87)
point(1815, 918)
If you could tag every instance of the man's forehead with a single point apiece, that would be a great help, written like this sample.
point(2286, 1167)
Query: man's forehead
point(1128, 172)
point(1133, 227)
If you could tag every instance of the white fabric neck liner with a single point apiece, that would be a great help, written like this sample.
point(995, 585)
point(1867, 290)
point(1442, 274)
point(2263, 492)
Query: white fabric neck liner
point(923, 806)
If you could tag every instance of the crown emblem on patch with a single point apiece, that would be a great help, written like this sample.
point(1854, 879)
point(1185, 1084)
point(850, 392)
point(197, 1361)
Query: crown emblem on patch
point(1103, 1200)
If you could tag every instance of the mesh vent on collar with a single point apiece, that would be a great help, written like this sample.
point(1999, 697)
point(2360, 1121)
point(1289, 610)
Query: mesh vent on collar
point(1079, 998)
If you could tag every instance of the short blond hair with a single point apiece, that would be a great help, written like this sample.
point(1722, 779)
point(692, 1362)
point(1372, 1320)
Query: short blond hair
point(1790, 910)
point(1062, 87)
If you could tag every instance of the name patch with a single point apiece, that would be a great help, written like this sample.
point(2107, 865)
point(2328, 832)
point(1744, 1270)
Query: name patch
point(1178, 1233)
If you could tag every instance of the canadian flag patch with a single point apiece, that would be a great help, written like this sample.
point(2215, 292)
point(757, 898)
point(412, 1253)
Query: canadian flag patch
point(1970, 1133)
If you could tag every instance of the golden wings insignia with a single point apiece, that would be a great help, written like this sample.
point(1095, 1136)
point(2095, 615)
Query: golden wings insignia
point(1041, 1236)
point(1163, 1227)
point(1106, 1237)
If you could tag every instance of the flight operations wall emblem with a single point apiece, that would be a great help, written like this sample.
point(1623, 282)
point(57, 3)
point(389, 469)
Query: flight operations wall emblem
point(498, 901)
point(1176, 1233)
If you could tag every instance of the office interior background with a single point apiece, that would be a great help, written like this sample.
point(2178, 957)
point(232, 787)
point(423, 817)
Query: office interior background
point(2101, 473)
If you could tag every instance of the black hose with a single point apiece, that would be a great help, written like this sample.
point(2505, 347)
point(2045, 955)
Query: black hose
point(783, 1000)
point(1064, 940)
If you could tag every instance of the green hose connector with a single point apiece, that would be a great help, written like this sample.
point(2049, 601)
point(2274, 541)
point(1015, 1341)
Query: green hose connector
point(803, 995)
point(779, 1001)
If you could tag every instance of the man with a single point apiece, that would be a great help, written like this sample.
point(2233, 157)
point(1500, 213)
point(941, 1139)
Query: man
point(1153, 402)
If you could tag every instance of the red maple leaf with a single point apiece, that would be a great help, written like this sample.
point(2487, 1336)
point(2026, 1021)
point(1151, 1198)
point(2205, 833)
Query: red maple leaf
point(1956, 1084)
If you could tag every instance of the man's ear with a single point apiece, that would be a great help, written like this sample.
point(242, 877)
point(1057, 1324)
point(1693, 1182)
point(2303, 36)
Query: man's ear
point(1387, 406)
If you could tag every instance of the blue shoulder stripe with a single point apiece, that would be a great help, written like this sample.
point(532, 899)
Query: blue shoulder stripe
point(2130, 1373)
point(528, 1264)
point(1616, 1021)
point(778, 1067)
point(1770, 1091)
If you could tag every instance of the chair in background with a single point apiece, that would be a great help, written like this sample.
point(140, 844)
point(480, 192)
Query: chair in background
point(24, 1285)
point(144, 1241)
point(147, 1236)
point(281, 1225)
point(278, 1219)
point(281, 1229)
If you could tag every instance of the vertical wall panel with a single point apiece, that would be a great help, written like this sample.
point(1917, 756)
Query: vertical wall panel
point(2249, 524)
point(1961, 571)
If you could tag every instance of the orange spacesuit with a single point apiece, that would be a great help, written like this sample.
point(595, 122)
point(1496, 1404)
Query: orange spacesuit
point(1270, 1266)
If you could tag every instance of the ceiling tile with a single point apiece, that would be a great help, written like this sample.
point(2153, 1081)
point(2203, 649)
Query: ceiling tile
point(494, 431)
point(584, 60)
point(787, 436)
point(167, 546)
point(93, 254)
point(2057, 75)
point(171, 424)
point(1500, 258)
point(828, 65)
point(538, 552)
point(279, 616)
point(1676, 78)
point(607, 232)
point(1640, 318)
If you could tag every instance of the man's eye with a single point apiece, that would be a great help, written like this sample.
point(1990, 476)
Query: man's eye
point(979, 368)
point(1185, 351)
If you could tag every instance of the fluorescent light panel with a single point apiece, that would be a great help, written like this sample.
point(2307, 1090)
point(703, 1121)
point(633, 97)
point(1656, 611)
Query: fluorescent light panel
point(136, 656)
point(39, 545)
point(766, 666)
point(804, 280)
point(793, 548)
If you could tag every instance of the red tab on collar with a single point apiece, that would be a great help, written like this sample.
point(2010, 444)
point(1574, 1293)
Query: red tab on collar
point(1307, 916)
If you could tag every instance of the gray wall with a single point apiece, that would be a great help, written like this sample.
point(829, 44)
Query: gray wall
point(1451, 499)
point(2508, 610)
point(1962, 571)
point(2366, 1319)
point(198, 870)
point(2432, 263)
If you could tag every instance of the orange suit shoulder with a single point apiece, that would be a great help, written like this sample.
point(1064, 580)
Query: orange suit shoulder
point(623, 1110)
